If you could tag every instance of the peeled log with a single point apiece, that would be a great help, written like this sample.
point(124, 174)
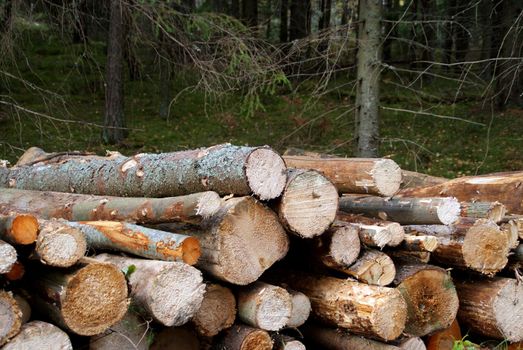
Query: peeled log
point(169, 292)
point(131, 333)
point(139, 240)
point(58, 244)
point(424, 211)
point(338, 246)
point(432, 301)
point(371, 311)
point(217, 311)
point(10, 317)
point(18, 228)
point(264, 306)
point(222, 168)
point(40, 335)
point(494, 211)
point(301, 309)
point(414, 179)
point(369, 225)
point(242, 337)
point(354, 175)
point(7, 257)
point(85, 299)
point(372, 267)
point(191, 208)
point(308, 204)
point(492, 307)
point(502, 187)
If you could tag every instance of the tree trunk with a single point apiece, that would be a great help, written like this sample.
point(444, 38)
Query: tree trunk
point(242, 337)
point(7, 257)
point(299, 21)
point(308, 204)
point(352, 175)
point(250, 12)
point(40, 335)
point(337, 247)
point(368, 78)
point(192, 208)
point(404, 210)
point(494, 211)
point(450, 29)
point(224, 168)
point(17, 228)
point(165, 86)
point(169, 292)
point(284, 21)
point(492, 307)
point(432, 301)
point(235, 8)
point(413, 179)
point(375, 232)
point(131, 333)
point(372, 267)
point(114, 123)
point(10, 317)
point(217, 311)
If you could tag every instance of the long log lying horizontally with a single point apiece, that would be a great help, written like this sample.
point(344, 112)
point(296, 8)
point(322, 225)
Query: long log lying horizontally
point(40, 335)
point(223, 168)
point(308, 204)
point(242, 337)
point(404, 210)
point(432, 301)
point(169, 292)
point(10, 317)
point(492, 307)
point(191, 208)
point(7, 257)
point(18, 228)
point(494, 211)
point(217, 311)
point(412, 179)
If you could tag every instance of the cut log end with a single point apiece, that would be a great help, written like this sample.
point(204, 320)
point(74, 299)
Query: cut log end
point(345, 245)
point(301, 309)
point(10, 317)
point(257, 340)
point(40, 335)
point(191, 250)
point(449, 210)
point(397, 234)
point(373, 267)
point(508, 308)
point(387, 177)
point(274, 309)
point(96, 299)
point(217, 312)
point(266, 175)
point(24, 229)
point(60, 245)
point(388, 317)
point(7, 257)
point(414, 343)
point(208, 204)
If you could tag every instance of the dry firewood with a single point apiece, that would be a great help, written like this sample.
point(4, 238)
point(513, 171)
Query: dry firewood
point(191, 208)
point(409, 256)
point(502, 187)
point(139, 240)
point(354, 175)
point(308, 204)
point(18, 228)
point(7, 257)
point(217, 311)
point(86, 299)
point(480, 246)
point(492, 307)
point(169, 292)
point(372, 227)
point(301, 309)
point(242, 337)
point(11, 317)
point(444, 339)
point(404, 210)
point(419, 243)
point(372, 311)
point(40, 335)
point(240, 242)
point(284, 342)
point(338, 246)
point(131, 333)
point(372, 267)
point(494, 211)
point(264, 306)
point(176, 338)
point(413, 179)
point(432, 302)
point(223, 168)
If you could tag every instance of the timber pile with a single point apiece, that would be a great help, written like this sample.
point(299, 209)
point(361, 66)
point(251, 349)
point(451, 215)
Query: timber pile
point(227, 248)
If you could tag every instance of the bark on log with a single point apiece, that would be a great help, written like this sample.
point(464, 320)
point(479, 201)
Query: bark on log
point(240, 242)
point(444, 340)
point(217, 311)
point(18, 228)
point(7, 257)
point(301, 309)
point(339, 246)
point(131, 333)
point(176, 338)
point(10, 317)
point(420, 243)
point(354, 175)
point(494, 211)
point(480, 246)
point(138, 240)
point(264, 306)
point(409, 256)
point(242, 337)
point(222, 168)
point(40, 335)
point(338, 339)
point(169, 292)
point(432, 301)
point(191, 208)
point(412, 179)
point(283, 342)
point(308, 204)
point(501, 187)
point(424, 211)
point(58, 244)
point(371, 311)
point(368, 225)
point(492, 307)
point(372, 267)
point(85, 299)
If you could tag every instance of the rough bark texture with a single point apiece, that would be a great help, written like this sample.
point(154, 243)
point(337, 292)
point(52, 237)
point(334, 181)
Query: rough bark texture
point(139, 240)
point(372, 311)
point(59, 244)
point(492, 307)
point(412, 179)
point(217, 311)
point(339, 246)
point(502, 187)
point(353, 175)
point(85, 299)
point(308, 204)
point(223, 168)
point(444, 339)
point(7, 257)
point(242, 337)
point(264, 306)
point(10, 317)
point(191, 208)
point(432, 301)
point(40, 335)
point(371, 228)
point(128, 334)
point(17, 228)
point(423, 211)
point(494, 211)
point(372, 267)
point(169, 292)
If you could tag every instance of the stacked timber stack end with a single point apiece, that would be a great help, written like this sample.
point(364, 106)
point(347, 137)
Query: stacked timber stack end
point(232, 247)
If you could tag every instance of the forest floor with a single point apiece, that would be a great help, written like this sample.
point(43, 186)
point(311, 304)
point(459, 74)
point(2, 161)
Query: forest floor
point(485, 141)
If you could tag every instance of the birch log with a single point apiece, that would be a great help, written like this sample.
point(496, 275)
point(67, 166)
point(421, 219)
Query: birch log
point(222, 168)
point(17, 228)
point(191, 208)
point(7, 257)
point(217, 311)
point(10, 317)
point(169, 292)
point(242, 337)
point(40, 335)
point(369, 225)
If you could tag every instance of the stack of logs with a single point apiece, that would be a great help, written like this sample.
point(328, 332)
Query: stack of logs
point(232, 247)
